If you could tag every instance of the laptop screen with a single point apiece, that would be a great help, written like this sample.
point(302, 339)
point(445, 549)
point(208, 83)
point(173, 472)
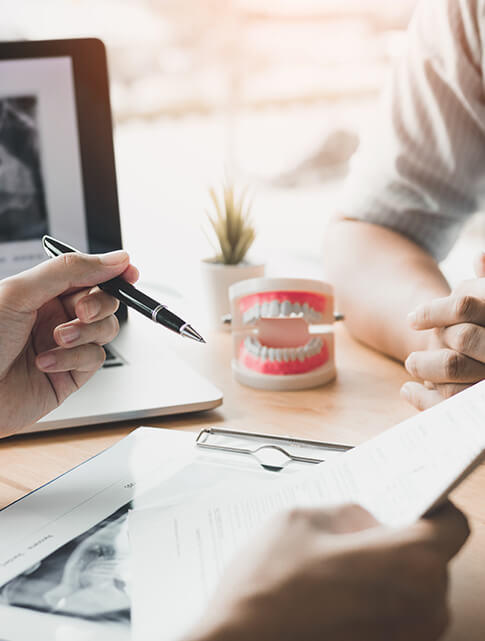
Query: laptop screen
point(41, 184)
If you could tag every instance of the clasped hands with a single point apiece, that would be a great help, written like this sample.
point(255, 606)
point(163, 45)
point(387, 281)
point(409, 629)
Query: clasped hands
point(455, 357)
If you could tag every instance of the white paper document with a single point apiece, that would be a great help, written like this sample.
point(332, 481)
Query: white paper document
point(180, 552)
point(64, 551)
point(65, 569)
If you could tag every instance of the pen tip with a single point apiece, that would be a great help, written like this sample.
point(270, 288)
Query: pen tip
point(190, 332)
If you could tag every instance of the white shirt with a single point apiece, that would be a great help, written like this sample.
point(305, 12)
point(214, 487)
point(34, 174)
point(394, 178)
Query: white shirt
point(421, 169)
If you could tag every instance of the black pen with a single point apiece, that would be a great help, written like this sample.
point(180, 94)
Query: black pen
point(131, 296)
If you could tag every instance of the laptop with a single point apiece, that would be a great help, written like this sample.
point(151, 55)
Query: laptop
point(57, 177)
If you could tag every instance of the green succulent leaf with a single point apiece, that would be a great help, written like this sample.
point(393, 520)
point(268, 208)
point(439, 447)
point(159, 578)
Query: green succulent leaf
point(231, 223)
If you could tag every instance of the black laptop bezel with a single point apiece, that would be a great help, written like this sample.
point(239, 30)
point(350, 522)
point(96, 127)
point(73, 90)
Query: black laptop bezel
point(95, 127)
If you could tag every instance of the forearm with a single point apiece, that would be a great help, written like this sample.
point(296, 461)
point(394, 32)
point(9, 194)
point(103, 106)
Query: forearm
point(379, 277)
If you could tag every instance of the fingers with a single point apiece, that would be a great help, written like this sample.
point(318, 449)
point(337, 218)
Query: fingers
point(466, 338)
point(85, 358)
point(76, 333)
point(419, 396)
point(33, 288)
point(96, 304)
point(349, 518)
point(131, 274)
point(446, 530)
point(339, 520)
point(91, 306)
point(444, 366)
point(81, 343)
point(451, 310)
point(446, 390)
point(424, 396)
point(479, 265)
point(94, 325)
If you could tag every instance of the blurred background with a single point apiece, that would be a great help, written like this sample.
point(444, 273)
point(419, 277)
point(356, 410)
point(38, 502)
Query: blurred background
point(273, 93)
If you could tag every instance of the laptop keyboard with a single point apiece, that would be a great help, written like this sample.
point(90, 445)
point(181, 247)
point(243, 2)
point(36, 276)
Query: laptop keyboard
point(112, 359)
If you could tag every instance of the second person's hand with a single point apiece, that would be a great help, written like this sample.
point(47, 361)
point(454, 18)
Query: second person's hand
point(455, 357)
point(339, 575)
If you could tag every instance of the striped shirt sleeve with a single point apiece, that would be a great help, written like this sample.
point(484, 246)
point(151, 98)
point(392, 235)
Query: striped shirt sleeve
point(421, 168)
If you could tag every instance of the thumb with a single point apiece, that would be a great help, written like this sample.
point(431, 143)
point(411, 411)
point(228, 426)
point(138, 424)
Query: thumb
point(28, 291)
point(479, 265)
point(446, 530)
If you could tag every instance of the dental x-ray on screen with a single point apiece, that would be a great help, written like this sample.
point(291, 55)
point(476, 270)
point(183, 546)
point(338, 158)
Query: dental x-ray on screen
point(41, 188)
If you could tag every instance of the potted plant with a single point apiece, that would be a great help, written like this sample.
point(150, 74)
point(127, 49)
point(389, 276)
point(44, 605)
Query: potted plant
point(234, 232)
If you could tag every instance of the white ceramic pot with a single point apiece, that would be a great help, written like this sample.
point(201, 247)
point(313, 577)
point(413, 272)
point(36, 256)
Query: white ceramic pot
point(216, 279)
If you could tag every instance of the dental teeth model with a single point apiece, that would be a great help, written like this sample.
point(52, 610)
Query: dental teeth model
point(282, 332)
point(283, 309)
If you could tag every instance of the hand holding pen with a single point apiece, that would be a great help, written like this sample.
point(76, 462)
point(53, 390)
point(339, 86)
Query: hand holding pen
point(53, 323)
point(130, 296)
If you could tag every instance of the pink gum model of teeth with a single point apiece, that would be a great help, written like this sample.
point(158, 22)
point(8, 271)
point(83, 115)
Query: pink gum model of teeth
point(275, 348)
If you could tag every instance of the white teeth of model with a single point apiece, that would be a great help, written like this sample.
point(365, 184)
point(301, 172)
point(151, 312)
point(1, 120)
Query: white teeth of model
point(285, 308)
point(254, 312)
point(271, 354)
point(255, 346)
point(307, 313)
point(274, 309)
point(249, 344)
point(286, 355)
point(296, 308)
point(251, 314)
point(311, 347)
point(264, 352)
point(300, 354)
point(315, 317)
point(315, 346)
point(265, 308)
point(278, 354)
point(292, 354)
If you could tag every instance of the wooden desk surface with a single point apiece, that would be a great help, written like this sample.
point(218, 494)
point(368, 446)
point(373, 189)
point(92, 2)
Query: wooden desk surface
point(361, 402)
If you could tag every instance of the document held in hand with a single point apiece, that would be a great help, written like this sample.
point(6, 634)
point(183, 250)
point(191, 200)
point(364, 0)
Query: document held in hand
point(179, 553)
